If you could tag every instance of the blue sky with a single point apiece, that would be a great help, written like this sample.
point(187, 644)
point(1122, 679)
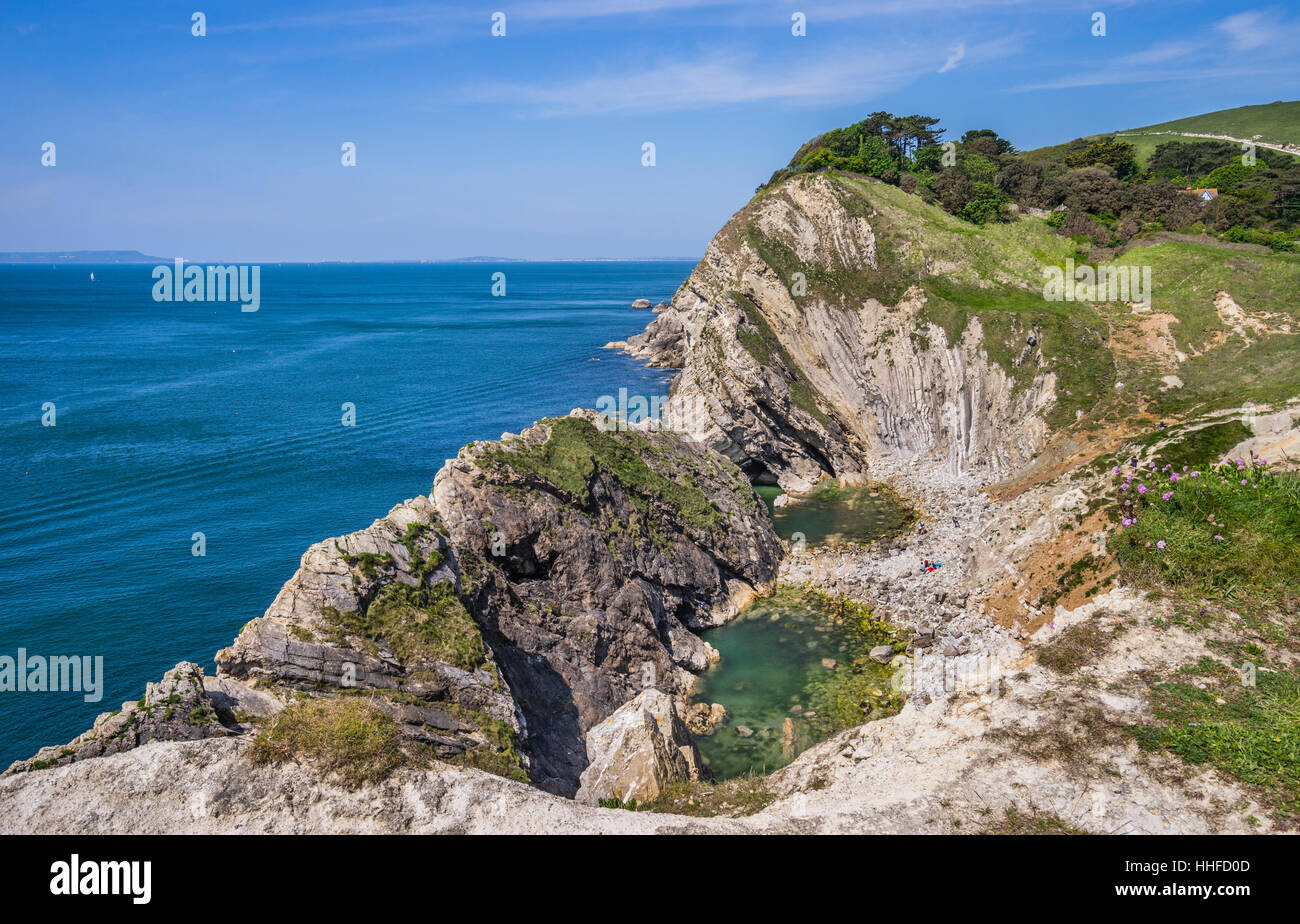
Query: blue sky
point(529, 145)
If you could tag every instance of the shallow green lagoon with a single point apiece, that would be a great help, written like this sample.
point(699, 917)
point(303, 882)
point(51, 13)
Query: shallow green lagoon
point(832, 514)
point(773, 683)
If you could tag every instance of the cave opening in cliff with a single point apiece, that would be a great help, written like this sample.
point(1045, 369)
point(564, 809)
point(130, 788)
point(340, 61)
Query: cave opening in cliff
point(757, 473)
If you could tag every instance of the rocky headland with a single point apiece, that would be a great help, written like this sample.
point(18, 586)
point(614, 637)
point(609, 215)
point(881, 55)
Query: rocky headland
point(528, 631)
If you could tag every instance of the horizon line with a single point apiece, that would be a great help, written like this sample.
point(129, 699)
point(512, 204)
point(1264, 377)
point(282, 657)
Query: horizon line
point(103, 258)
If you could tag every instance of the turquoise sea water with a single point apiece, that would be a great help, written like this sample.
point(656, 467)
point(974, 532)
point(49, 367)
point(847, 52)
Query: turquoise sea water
point(834, 515)
point(793, 671)
point(176, 418)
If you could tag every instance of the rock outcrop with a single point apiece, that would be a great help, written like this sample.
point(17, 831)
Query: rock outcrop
point(176, 708)
point(638, 751)
point(589, 555)
point(379, 611)
point(960, 765)
point(807, 351)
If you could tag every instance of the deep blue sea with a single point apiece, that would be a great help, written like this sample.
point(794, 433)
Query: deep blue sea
point(176, 418)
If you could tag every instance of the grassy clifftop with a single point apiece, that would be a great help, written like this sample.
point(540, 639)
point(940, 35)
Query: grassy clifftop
point(1276, 122)
point(1222, 328)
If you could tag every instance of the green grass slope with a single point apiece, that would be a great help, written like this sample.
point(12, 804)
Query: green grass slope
point(995, 273)
point(1276, 123)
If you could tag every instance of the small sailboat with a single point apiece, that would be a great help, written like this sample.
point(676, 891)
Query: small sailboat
point(92, 277)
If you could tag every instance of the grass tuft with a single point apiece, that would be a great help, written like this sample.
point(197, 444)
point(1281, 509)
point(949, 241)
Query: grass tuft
point(348, 737)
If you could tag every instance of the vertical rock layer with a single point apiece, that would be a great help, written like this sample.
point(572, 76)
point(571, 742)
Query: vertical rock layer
point(807, 348)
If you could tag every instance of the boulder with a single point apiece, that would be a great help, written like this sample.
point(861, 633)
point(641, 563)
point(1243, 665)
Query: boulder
point(643, 304)
point(232, 699)
point(638, 751)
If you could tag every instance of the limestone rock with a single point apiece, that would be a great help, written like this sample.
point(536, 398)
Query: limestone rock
point(368, 611)
point(176, 708)
point(794, 387)
point(232, 699)
point(637, 751)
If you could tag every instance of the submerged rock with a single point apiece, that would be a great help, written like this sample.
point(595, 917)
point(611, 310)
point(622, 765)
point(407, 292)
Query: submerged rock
point(704, 718)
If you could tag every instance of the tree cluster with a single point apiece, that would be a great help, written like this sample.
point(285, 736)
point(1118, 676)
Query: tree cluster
point(1095, 189)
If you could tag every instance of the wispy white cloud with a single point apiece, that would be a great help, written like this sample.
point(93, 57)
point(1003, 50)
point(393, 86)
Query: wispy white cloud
point(954, 57)
point(1159, 53)
point(695, 83)
point(761, 13)
point(1251, 29)
point(1173, 75)
point(1270, 38)
point(843, 75)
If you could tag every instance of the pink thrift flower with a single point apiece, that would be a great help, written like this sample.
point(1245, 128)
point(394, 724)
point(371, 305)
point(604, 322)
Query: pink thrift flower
point(1167, 495)
point(1142, 489)
point(1218, 538)
point(1160, 544)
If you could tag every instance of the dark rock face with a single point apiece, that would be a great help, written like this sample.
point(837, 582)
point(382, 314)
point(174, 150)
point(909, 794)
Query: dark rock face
point(176, 708)
point(586, 554)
